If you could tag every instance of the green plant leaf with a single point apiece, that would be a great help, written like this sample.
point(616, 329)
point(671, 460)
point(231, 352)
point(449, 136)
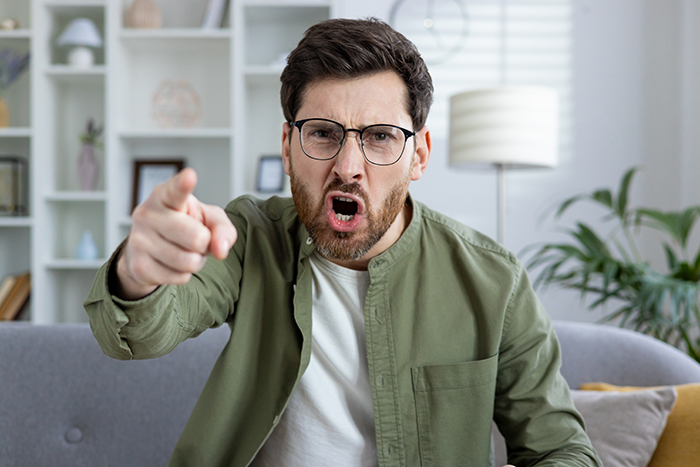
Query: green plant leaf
point(671, 259)
point(623, 194)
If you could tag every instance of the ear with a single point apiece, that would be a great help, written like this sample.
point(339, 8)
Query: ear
point(286, 139)
point(423, 146)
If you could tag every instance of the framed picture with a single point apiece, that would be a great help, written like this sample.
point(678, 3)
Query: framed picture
point(12, 186)
point(150, 173)
point(270, 174)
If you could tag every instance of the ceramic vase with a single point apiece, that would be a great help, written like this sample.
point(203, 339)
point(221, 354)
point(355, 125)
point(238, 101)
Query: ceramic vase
point(4, 114)
point(87, 167)
point(86, 249)
point(144, 14)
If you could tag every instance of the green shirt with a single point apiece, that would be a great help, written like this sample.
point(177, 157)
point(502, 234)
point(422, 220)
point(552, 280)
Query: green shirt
point(456, 338)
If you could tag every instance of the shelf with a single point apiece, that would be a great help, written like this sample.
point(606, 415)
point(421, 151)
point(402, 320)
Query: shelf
point(68, 73)
point(75, 264)
point(16, 34)
point(18, 132)
point(182, 40)
point(15, 221)
point(174, 33)
point(81, 196)
point(56, 4)
point(175, 133)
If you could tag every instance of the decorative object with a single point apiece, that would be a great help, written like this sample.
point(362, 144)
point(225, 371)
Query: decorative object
point(86, 249)
point(270, 174)
point(511, 127)
point(150, 173)
point(87, 161)
point(81, 33)
point(13, 173)
point(176, 104)
point(11, 68)
point(611, 268)
point(439, 28)
point(214, 14)
point(9, 24)
point(144, 14)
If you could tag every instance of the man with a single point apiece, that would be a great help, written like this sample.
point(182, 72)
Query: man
point(366, 329)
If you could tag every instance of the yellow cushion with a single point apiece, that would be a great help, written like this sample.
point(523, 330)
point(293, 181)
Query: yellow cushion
point(679, 444)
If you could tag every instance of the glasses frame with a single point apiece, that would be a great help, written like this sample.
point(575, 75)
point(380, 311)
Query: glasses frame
point(406, 133)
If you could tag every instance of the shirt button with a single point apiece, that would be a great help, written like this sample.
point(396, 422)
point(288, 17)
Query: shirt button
point(309, 241)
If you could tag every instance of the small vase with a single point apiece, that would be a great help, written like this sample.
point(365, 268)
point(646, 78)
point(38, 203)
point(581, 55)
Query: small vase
point(4, 114)
point(87, 167)
point(86, 249)
point(144, 14)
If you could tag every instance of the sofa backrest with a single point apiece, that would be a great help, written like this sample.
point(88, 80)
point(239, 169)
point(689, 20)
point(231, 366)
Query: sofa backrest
point(64, 403)
point(595, 353)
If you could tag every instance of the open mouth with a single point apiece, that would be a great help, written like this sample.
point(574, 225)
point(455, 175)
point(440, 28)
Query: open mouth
point(344, 208)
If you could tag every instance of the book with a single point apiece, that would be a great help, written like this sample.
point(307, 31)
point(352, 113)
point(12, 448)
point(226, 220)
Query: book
point(214, 14)
point(17, 298)
point(6, 287)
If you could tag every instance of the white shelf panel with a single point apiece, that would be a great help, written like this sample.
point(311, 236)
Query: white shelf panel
point(16, 221)
point(285, 3)
point(76, 264)
point(177, 133)
point(71, 74)
point(18, 132)
point(16, 34)
point(55, 4)
point(175, 33)
point(69, 196)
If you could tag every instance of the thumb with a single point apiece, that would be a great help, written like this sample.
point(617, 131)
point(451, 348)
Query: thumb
point(177, 190)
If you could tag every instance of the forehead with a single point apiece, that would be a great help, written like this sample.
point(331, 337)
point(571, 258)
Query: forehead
point(376, 98)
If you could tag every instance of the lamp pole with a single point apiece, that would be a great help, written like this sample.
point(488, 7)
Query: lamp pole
point(501, 182)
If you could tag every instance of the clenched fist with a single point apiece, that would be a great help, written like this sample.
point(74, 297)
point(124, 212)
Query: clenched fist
point(171, 236)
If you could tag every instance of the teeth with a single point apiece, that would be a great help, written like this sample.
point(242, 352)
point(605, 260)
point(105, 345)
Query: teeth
point(342, 198)
point(342, 217)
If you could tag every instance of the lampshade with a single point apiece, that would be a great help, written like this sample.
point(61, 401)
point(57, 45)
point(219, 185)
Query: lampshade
point(80, 31)
point(511, 125)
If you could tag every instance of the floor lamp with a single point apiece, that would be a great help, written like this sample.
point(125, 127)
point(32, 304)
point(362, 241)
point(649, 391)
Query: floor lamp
point(510, 127)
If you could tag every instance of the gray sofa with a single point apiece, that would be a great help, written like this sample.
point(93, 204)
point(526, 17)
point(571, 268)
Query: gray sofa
point(63, 403)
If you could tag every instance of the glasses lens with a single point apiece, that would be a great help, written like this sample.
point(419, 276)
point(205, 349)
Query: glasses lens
point(383, 144)
point(321, 139)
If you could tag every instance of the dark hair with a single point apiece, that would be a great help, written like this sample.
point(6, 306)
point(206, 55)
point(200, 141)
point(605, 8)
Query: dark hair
point(350, 48)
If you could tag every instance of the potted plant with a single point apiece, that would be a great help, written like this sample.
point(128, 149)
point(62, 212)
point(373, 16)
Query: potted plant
point(611, 268)
point(11, 68)
point(87, 160)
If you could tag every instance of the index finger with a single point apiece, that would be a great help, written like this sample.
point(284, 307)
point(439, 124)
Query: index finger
point(175, 192)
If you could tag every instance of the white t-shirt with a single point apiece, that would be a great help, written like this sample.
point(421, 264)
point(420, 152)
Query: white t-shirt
point(329, 419)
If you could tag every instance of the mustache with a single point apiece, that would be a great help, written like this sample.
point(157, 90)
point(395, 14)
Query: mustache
point(351, 188)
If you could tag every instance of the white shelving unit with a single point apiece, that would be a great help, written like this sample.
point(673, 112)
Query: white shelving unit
point(233, 69)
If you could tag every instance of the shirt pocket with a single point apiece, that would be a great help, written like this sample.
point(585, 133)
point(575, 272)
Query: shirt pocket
point(454, 410)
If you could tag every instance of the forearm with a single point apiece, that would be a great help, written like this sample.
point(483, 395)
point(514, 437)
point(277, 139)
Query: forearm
point(155, 325)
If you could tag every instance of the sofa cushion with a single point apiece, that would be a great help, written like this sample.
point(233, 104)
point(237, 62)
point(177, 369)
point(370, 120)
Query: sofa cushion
point(624, 427)
point(678, 444)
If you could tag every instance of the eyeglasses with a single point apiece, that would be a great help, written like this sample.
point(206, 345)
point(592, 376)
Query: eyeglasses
point(381, 144)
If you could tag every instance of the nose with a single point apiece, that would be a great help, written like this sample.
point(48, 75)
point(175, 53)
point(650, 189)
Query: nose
point(350, 162)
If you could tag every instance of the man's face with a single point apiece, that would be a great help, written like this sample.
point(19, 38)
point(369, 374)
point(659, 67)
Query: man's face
point(352, 209)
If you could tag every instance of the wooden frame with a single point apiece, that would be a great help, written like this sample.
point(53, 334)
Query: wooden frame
point(13, 172)
point(270, 177)
point(150, 173)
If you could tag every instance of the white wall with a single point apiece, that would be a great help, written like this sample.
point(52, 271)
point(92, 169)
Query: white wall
point(635, 102)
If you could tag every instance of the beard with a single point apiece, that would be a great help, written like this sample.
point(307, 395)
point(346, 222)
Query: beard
point(347, 246)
